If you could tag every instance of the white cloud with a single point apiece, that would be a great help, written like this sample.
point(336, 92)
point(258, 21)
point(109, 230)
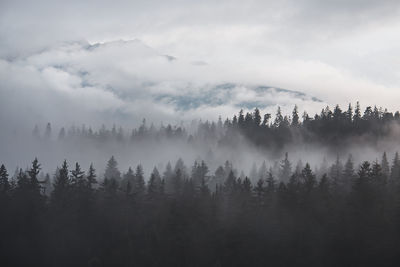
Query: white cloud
point(338, 51)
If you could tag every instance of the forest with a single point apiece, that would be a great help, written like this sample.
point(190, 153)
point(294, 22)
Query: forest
point(280, 213)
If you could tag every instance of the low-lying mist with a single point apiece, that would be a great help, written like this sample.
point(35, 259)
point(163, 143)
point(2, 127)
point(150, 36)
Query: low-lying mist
point(246, 141)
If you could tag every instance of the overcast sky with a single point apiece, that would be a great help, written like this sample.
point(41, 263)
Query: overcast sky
point(337, 51)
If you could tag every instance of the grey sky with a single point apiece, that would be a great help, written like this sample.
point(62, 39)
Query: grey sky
point(338, 51)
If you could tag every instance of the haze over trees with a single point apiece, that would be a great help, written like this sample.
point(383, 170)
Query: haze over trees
point(193, 213)
point(334, 129)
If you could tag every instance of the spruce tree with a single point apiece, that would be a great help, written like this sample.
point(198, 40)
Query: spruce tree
point(285, 169)
point(33, 174)
point(91, 177)
point(112, 172)
point(4, 183)
point(308, 178)
point(295, 117)
point(61, 186)
point(77, 177)
point(139, 187)
point(259, 189)
point(154, 187)
point(385, 166)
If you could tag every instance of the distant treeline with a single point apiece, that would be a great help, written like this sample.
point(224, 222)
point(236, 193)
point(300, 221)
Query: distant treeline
point(332, 128)
point(291, 216)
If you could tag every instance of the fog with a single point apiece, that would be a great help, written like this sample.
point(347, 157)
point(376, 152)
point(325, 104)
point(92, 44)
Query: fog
point(154, 148)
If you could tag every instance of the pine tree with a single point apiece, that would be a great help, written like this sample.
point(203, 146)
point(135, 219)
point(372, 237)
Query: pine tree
point(91, 177)
point(385, 166)
point(199, 172)
point(177, 182)
point(128, 179)
point(348, 173)
point(259, 189)
point(23, 182)
point(247, 186)
point(335, 173)
point(230, 183)
point(139, 187)
point(77, 177)
point(154, 187)
point(203, 188)
point(378, 178)
point(357, 113)
point(257, 117)
point(278, 118)
point(286, 169)
point(308, 178)
point(4, 183)
point(181, 165)
point(271, 182)
point(33, 174)
point(323, 186)
point(112, 172)
point(61, 186)
point(47, 185)
point(36, 132)
point(295, 117)
point(47, 133)
point(220, 175)
point(167, 178)
point(241, 119)
point(349, 113)
point(61, 134)
point(266, 119)
point(362, 195)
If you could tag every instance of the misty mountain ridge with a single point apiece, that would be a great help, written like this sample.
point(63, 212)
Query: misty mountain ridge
point(124, 76)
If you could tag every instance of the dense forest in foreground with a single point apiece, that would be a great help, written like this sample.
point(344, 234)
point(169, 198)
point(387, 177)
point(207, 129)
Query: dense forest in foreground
point(287, 214)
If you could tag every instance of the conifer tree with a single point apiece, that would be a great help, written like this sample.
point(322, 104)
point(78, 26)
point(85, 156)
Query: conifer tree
point(33, 174)
point(285, 169)
point(91, 177)
point(167, 178)
point(154, 187)
point(335, 172)
point(278, 118)
point(61, 186)
point(357, 113)
point(308, 178)
point(139, 186)
point(77, 177)
point(349, 113)
point(257, 117)
point(128, 179)
point(112, 172)
point(4, 183)
point(259, 189)
point(47, 133)
point(230, 183)
point(385, 166)
point(295, 116)
point(247, 186)
point(271, 182)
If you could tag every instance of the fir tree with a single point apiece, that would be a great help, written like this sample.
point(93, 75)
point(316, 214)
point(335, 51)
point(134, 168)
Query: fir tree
point(4, 183)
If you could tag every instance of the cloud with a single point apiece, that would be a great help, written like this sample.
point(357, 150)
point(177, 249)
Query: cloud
point(123, 82)
point(75, 65)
